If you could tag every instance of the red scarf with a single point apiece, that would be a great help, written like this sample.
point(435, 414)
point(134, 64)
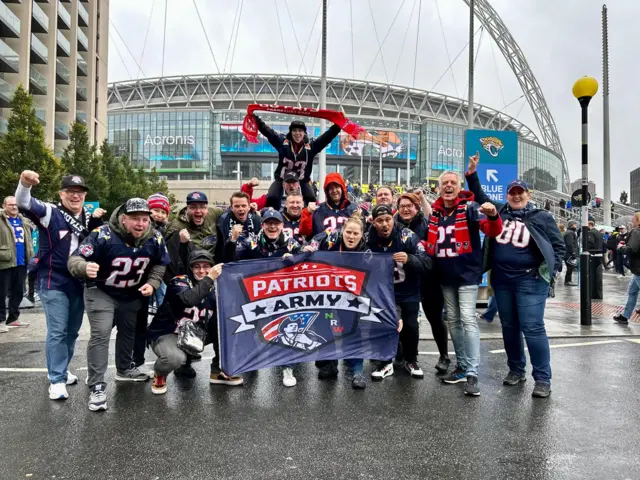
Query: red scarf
point(250, 127)
point(463, 240)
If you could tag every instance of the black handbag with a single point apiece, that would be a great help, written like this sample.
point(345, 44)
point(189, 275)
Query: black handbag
point(191, 337)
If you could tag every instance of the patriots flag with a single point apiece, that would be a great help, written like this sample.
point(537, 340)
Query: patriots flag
point(312, 306)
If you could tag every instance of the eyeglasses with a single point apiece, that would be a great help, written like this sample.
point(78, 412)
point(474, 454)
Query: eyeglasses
point(200, 267)
point(10, 204)
point(197, 207)
point(75, 192)
point(405, 207)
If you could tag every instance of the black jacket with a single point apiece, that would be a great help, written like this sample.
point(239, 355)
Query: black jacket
point(301, 163)
point(571, 244)
point(632, 250)
point(595, 242)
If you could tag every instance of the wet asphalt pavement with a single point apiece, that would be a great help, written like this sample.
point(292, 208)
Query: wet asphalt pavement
point(401, 428)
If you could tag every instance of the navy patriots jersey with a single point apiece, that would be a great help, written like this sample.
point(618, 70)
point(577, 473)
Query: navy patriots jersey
point(454, 269)
point(182, 304)
point(407, 276)
point(57, 241)
point(326, 217)
point(260, 247)
point(123, 268)
point(514, 254)
point(292, 228)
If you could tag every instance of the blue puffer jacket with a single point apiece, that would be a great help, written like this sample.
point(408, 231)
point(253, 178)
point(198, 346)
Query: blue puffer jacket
point(541, 225)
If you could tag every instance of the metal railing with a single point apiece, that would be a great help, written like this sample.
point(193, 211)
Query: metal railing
point(39, 15)
point(9, 17)
point(82, 65)
point(62, 70)
point(38, 78)
point(39, 47)
point(82, 38)
point(61, 128)
point(62, 98)
point(64, 14)
point(6, 89)
point(82, 13)
point(64, 43)
point(9, 55)
point(41, 114)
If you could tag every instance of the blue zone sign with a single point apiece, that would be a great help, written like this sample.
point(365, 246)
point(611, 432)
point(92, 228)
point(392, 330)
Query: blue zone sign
point(498, 150)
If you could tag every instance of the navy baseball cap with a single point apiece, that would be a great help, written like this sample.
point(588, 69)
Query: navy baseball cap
point(197, 197)
point(69, 181)
point(291, 177)
point(518, 183)
point(381, 210)
point(272, 215)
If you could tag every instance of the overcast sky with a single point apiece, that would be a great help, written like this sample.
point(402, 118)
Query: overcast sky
point(561, 40)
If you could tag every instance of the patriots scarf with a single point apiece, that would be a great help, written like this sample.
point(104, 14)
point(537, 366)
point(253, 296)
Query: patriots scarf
point(248, 223)
point(463, 240)
point(80, 229)
point(250, 127)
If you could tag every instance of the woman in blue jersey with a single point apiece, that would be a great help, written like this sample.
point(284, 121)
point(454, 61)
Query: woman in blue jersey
point(349, 238)
point(524, 259)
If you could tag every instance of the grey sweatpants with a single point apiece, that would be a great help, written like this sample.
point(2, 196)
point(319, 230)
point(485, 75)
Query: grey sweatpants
point(104, 313)
point(170, 357)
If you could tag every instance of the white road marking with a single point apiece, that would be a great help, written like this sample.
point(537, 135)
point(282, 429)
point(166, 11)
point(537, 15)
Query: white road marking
point(435, 353)
point(634, 340)
point(566, 345)
point(23, 370)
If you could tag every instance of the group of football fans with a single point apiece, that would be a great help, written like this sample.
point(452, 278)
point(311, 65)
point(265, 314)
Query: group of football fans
point(113, 269)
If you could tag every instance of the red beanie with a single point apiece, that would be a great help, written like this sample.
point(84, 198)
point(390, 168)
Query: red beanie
point(158, 200)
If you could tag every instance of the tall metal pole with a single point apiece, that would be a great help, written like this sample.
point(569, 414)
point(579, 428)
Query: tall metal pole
point(605, 113)
point(585, 287)
point(361, 166)
point(408, 154)
point(471, 59)
point(323, 101)
point(380, 176)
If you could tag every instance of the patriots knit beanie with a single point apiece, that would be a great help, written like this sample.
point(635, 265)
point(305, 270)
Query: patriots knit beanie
point(158, 200)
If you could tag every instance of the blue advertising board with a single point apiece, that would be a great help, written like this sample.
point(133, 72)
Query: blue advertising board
point(498, 150)
point(91, 206)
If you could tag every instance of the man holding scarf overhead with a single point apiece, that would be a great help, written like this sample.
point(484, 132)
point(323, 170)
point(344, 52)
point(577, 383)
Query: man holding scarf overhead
point(61, 229)
point(454, 242)
point(296, 151)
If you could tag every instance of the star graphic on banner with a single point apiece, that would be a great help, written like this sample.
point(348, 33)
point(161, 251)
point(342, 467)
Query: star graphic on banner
point(305, 266)
point(297, 268)
point(315, 266)
point(259, 310)
point(355, 303)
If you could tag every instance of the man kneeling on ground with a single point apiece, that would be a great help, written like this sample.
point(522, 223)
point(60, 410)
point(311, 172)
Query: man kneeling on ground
point(189, 298)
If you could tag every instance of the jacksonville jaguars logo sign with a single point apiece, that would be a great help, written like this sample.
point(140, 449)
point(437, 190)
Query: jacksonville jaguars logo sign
point(493, 145)
point(305, 306)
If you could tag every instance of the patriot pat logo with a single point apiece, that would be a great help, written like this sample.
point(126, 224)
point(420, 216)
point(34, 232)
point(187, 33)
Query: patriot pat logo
point(305, 306)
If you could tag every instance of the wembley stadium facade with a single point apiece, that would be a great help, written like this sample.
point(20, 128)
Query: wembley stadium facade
point(189, 128)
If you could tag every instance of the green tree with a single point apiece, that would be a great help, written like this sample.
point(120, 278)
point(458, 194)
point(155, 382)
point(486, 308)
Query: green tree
point(81, 158)
point(24, 148)
point(124, 182)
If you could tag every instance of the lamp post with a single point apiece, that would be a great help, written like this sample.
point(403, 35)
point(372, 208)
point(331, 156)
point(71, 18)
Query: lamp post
point(584, 89)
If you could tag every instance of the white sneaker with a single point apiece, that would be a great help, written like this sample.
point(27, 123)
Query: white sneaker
point(288, 380)
point(4, 328)
point(382, 371)
point(98, 397)
point(414, 370)
point(58, 391)
point(71, 378)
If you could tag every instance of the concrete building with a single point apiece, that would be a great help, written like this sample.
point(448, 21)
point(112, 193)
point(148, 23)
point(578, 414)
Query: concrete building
point(634, 194)
point(58, 50)
point(577, 185)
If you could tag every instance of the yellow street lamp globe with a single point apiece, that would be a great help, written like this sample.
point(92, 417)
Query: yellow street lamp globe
point(585, 87)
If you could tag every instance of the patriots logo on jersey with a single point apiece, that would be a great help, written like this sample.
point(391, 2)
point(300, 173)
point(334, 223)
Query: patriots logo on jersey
point(86, 250)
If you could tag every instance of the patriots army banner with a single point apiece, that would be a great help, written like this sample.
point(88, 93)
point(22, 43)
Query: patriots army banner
point(314, 306)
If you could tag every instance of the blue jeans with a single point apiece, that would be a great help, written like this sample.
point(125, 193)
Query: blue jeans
point(64, 317)
point(632, 298)
point(521, 306)
point(460, 303)
point(491, 311)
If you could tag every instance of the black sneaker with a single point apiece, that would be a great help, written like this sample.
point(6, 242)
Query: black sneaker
point(513, 378)
point(185, 371)
point(195, 357)
point(471, 388)
point(328, 372)
point(358, 382)
point(541, 390)
point(457, 376)
point(621, 319)
point(443, 364)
